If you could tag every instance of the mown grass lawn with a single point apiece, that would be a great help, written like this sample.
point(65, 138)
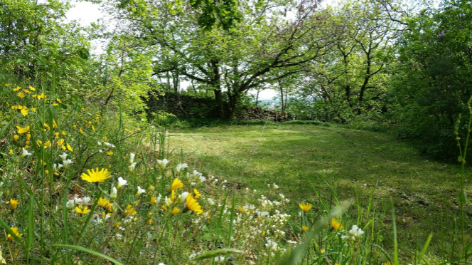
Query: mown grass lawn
point(302, 158)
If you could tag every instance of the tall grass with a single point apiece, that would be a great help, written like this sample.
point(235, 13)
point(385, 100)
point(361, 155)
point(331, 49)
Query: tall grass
point(152, 208)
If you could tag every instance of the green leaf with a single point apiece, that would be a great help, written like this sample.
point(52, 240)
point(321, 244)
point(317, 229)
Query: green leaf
point(88, 251)
point(462, 197)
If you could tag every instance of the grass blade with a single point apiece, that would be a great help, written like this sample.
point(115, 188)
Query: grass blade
point(30, 234)
point(88, 251)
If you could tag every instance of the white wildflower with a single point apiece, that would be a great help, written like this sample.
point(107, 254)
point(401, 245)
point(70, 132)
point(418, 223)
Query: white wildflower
point(121, 182)
point(162, 163)
point(180, 167)
point(25, 152)
point(63, 156)
point(67, 162)
point(140, 191)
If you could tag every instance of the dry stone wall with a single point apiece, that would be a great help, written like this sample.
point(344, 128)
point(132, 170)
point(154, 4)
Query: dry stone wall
point(184, 106)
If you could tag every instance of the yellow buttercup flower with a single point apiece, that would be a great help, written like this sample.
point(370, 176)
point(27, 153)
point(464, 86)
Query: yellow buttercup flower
point(15, 231)
point(153, 200)
point(176, 184)
point(175, 210)
point(335, 224)
point(193, 205)
point(129, 210)
point(304, 228)
point(17, 88)
point(82, 209)
point(14, 203)
point(32, 88)
point(102, 202)
point(197, 194)
point(95, 175)
point(21, 94)
point(305, 206)
point(24, 112)
point(110, 153)
point(15, 137)
point(22, 130)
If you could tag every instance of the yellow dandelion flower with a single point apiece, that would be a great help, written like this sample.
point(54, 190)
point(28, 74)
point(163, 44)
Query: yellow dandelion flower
point(63, 133)
point(14, 203)
point(335, 224)
point(11, 152)
point(322, 251)
point(58, 100)
point(176, 184)
point(21, 94)
point(22, 130)
point(95, 175)
point(305, 206)
point(82, 209)
point(110, 153)
point(197, 194)
point(102, 202)
point(175, 210)
point(32, 88)
point(193, 205)
point(304, 228)
point(81, 131)
point(15, 137)
point(17, 88)
point(153, 200)
point(24, 112)
point(15, 231)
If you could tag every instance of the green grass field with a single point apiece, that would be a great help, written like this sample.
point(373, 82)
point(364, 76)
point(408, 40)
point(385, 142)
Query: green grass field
point(301, 159)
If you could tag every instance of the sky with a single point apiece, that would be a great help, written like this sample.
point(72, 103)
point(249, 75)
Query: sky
point(86, 13)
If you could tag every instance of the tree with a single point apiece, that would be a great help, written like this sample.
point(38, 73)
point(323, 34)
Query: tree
point(433, 81)
point(35, 41)
point(262, 43)
point(348, 80)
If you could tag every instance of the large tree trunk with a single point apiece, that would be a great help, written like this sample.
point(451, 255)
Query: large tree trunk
point(219, 101)
point(233, 101)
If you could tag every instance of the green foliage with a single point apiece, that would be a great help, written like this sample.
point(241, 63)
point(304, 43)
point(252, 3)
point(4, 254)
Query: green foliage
point(431, 86)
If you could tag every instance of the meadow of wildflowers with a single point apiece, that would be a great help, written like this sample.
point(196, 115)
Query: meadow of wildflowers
point(82, 184)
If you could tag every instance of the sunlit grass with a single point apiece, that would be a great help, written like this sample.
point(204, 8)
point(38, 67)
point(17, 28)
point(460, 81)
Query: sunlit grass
point(356, 163)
